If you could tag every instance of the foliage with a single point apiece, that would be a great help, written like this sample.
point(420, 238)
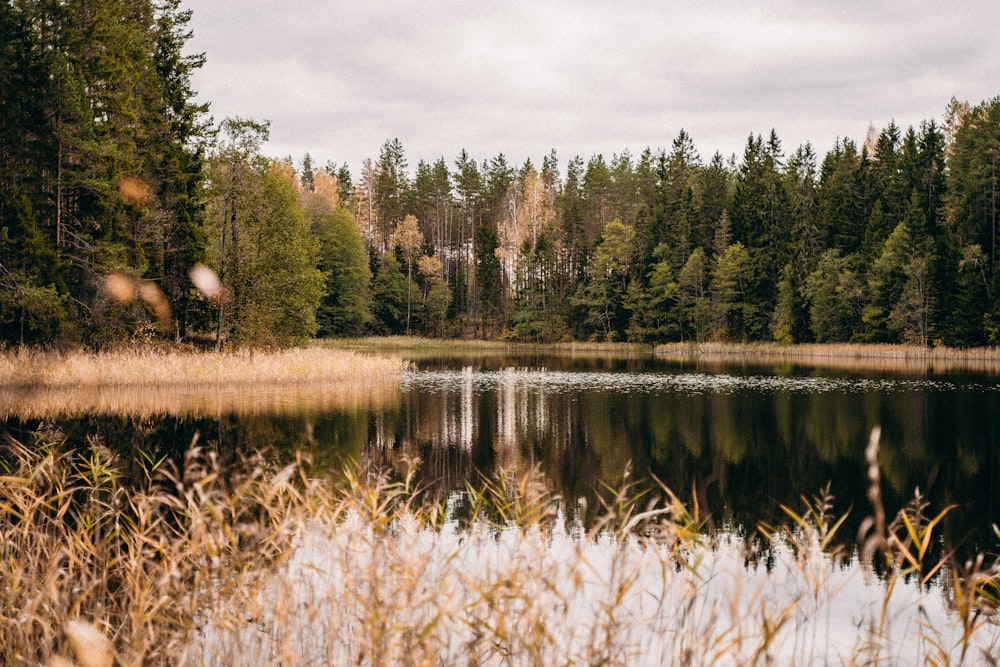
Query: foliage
point(108, 166)
point(264, 248)
point(346, 306)
point(200, 562)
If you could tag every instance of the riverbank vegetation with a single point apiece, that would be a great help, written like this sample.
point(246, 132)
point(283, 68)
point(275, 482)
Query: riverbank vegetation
point(130, 215)
point(843, 356)
point(149, 367)
point(147, 382)
point(197, 562)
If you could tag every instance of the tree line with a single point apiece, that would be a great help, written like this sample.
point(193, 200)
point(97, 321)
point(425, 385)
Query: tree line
point(108, 167)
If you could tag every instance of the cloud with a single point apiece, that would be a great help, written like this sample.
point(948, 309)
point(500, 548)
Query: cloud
point(337, 80)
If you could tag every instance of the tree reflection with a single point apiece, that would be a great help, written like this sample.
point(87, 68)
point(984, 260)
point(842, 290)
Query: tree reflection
point(737, 448)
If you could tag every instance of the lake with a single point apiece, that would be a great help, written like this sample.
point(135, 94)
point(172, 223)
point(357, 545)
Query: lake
point(739, 440)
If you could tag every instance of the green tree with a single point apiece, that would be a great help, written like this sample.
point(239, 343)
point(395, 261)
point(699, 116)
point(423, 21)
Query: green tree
point(677, 178)
point(972, 201)
point(843, 209)
point(345, 308)
point(693, 304)
point(392, 187)
point(388, 295)
point(728, 293)
point(784, 324)
point(762, 222)
point(911, 318)
point(836, 296)
point(650, 304)
point(970, 302)
point(100, 135)
point(885, 284)
point(468, 203)
point(604, 294)
point(282, 286)
point(33, 304)
point(261, 244)
point(540, 304)
point(489, 279)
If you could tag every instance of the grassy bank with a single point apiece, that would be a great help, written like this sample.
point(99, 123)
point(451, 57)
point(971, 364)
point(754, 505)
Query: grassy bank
point(31, 368)
point(257, 566)
point(843, 356)
point(198, 400)
point(414, 346)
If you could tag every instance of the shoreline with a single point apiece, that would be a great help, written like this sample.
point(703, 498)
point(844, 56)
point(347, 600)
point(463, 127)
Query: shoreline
point(381, 361)
point(841, 356)
point(36, 369)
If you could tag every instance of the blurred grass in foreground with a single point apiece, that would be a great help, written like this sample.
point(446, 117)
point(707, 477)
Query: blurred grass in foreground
point(251, 565)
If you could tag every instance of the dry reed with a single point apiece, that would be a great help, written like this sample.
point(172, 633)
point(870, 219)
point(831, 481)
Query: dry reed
point(198, 401)
point(202, 565)
point(845, 356)
point(411, 343)
point(31, 368)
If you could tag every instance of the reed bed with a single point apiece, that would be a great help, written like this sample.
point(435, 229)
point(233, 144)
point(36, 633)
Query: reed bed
point(253, 565)
point(199, 400)
point(846, 356)
point(416, 348)
point(414, 343)
point(30, 368)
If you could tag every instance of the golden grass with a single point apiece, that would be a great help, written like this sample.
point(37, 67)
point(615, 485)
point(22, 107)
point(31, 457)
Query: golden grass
point(199, 400)
point(209, 565)
point(842, 356)
point(414, 347)
point(413, 343)
point(141, 368)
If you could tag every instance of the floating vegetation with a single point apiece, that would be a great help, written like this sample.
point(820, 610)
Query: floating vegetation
point(685, 383)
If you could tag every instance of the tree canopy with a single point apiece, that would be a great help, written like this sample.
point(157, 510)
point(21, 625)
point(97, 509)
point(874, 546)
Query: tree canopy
point(111, 171)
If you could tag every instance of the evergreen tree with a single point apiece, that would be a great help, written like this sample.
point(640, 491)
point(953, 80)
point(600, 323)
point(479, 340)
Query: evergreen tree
point(650, 304)
point(345, 308)
point(389, 295)
point(100, 136)
point(835, 294)
point(888, 277)
point(693, 305)
point(730, 277)
point(843, 211)
point(604, 295)
point(391, 189)
point(489, 280)
point(762, 222)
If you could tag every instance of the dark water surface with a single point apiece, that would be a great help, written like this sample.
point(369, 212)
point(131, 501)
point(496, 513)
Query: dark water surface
point(740, 439)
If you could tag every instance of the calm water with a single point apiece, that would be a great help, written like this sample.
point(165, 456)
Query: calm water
point(740, 439)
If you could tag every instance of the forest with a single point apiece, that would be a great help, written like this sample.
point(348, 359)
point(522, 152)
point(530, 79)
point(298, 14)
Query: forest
point(110, 170)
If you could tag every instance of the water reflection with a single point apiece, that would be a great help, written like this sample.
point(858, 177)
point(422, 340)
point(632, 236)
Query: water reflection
point(739, 441)
point(742, 442)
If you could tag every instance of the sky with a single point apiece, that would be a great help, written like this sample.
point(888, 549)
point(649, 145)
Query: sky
point(338, 79)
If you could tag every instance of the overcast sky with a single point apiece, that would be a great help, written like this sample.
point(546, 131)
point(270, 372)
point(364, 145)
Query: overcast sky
point(337, 78)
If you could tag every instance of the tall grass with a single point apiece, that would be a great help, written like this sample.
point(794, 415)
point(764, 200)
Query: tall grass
point(86, 558)
point(418, 344)
point(24, 368)
point(844, 356)
point(199, 400)
point(253, 565)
